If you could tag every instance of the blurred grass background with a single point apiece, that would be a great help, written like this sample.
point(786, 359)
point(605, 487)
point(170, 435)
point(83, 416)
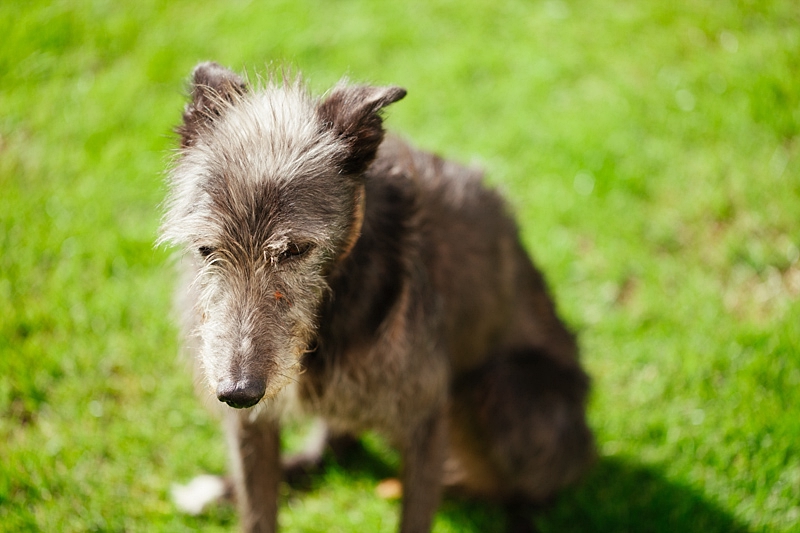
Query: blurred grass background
point(649, 148)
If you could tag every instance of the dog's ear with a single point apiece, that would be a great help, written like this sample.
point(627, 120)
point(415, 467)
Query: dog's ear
point(213, 87)
point(353, 114)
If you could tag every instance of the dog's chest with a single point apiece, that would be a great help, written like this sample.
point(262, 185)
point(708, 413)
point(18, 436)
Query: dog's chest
point(382, 388)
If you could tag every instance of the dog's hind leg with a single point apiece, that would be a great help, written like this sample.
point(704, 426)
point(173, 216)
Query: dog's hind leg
point(519, 427)
point(254, 447)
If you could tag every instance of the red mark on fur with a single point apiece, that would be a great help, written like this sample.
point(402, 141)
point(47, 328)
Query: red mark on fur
point(279, 296)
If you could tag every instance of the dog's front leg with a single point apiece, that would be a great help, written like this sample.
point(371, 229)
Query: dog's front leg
point(254, 446)
point(423, 458)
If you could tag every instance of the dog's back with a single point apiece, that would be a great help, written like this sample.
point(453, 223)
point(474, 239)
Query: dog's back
point(492, 296)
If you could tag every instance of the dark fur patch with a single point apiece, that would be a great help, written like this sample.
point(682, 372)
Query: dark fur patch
point(363, 297)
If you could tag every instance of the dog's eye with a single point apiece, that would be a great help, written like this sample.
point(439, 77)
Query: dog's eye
point(295, 250)
point(205, 251)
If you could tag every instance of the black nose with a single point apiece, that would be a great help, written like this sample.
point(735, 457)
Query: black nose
point(241, 394)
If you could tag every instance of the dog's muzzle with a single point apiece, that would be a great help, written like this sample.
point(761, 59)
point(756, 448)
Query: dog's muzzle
point(241, 394)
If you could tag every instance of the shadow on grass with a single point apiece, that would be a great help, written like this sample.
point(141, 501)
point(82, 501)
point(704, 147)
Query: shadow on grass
point(617, 496)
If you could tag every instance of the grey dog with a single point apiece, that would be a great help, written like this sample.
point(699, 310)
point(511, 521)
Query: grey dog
point(372, 285)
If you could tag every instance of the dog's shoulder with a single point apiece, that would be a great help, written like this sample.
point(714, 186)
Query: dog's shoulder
point(441, 188)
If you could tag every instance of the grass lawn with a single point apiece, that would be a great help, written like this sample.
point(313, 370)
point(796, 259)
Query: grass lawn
point(651, 150)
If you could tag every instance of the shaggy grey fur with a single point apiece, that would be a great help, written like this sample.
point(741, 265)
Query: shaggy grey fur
point(369, 284)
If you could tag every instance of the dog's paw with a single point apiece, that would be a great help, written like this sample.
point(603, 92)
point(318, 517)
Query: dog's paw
point(193, 497)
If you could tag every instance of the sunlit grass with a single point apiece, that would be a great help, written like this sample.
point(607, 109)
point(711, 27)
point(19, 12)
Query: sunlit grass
point(650, 150)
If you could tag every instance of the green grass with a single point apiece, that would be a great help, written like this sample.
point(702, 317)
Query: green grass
point(649, 148)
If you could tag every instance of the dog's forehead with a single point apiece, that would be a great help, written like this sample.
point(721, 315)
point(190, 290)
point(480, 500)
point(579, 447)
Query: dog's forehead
point(272, 212)
point(265, 168)
point(274, 134)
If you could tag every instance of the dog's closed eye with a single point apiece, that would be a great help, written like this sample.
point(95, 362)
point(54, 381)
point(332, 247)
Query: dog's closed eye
point(205, 251)
point(295, 250)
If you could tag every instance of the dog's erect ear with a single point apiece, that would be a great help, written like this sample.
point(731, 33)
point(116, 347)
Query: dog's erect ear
point(213, 87)
point(353, 114)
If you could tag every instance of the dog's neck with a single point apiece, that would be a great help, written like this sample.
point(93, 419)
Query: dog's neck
point(366, 283)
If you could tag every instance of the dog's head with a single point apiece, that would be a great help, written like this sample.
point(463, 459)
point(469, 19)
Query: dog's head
point(267, 195)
